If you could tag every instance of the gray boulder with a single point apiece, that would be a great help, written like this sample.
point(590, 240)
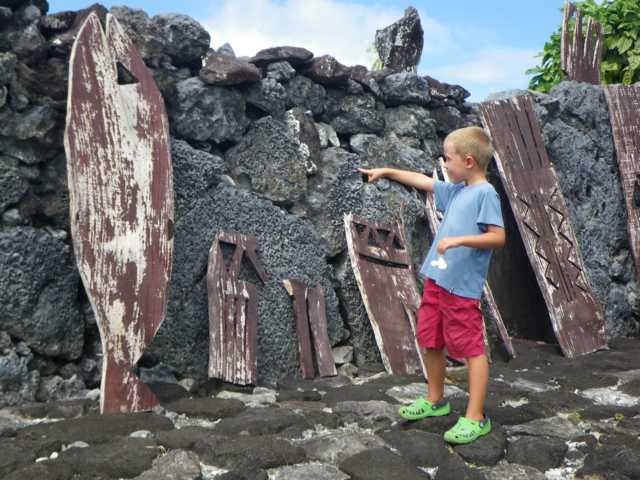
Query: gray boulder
point(226, 49)
point(185, 40)
point(57, 22)
point(39, 290)
point(448, 119)
point(13, 186)
point(446, 93)
point(351, 114)
point(169, 38)
point(280, 71)
point(401, 88)
point(167, 78)
point(296, 56)
point(303, 129)
point(57, 388)
point(5, 16)
point(33, 124)
point(400, 44)
point(370, 79)
point(18, 385)
point(269, 161)
point(304, 93)
point(220, 69)
point(25, 41)
point(194, 171)
point(8, 62)
point(326, 70)
point(390, 151)
point(411, 121)
point(208, 113)
point(175, 464)
point(144, 33)
point(269, 96)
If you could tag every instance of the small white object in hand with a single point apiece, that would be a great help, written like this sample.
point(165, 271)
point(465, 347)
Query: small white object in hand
point(439, 262)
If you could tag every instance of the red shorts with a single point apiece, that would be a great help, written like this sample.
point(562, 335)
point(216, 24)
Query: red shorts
point(448, 320)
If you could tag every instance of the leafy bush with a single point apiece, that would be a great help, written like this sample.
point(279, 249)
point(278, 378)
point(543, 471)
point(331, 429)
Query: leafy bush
point(620, 20)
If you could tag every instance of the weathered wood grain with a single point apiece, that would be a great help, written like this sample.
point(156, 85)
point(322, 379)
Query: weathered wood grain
point(581, 56)
point(624, 111)
point(311, 327)
point(384, 273)
point(233, 311)
point(121, 203)
point(543, 220)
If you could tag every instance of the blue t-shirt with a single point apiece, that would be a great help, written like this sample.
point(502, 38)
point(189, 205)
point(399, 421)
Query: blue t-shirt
point(467, 211)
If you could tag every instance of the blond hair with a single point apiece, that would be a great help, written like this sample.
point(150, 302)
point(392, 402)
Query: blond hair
point(472, 141)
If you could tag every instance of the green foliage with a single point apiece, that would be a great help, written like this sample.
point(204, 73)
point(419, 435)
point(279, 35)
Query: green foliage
point(620, 20)
point(548, 73)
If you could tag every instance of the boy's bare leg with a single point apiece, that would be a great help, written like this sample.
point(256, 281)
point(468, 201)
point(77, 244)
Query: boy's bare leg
point(478, 381)
point(436, 364)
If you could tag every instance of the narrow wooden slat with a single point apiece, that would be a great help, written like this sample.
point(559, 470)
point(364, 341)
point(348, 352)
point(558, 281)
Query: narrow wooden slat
point(387, 285)
point(298, 291)
point(251, 329)
point(624, 110)
point(318, 324)
point(580, 55)
point(233, 311)
point(121, 202)
point(543, 220)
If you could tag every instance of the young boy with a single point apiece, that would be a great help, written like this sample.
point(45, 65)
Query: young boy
point(449, 315)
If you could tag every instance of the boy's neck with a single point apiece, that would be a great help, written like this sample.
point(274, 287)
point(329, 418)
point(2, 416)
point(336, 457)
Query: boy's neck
point(476, 178)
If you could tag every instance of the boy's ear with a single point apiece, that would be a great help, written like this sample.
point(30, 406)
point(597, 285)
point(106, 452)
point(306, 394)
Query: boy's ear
point(470, 161)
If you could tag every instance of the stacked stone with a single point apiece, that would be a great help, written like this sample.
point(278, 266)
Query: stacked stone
point(266, 146)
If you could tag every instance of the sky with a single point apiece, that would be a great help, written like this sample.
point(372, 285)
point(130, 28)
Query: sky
point(483, 45)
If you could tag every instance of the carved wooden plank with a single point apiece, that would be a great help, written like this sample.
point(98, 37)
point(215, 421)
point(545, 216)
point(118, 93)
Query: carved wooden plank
point(488, 302)
point(311, 325)
point(385, 277)
point(543, 220)
point(624, 110)
point(581, 56)
point(121, 203)
point(233, 311)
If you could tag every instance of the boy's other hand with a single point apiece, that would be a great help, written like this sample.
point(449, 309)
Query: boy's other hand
point(446, 243)
point(373, 174)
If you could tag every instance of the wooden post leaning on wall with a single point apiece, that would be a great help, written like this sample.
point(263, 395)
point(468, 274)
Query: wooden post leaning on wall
point(120, 201)
point(624, 111)
point(543, 220)
point(233, 311)
point(385, 275)
point(311, 328)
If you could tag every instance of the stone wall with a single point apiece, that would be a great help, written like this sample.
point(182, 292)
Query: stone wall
point(267, 146)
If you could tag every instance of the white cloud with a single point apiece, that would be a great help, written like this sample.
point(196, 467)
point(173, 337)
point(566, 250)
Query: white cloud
point(338, 28)
point(489, 70)
point(346, 31)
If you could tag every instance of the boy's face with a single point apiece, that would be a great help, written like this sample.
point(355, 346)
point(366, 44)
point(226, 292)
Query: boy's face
point(458, 167)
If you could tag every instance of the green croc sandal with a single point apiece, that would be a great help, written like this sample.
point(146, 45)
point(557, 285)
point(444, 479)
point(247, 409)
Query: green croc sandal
point(467, 430)
point(423, 408)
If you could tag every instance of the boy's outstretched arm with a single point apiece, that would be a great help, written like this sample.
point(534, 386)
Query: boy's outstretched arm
point(411, 179)
point(493, 238)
